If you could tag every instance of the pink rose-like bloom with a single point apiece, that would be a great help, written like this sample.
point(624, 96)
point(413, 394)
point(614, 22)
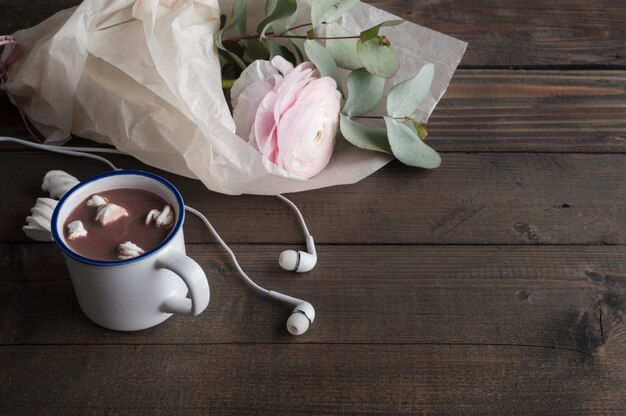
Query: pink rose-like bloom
point(289, 114)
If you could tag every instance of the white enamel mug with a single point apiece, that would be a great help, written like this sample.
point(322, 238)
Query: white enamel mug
point(138, 293)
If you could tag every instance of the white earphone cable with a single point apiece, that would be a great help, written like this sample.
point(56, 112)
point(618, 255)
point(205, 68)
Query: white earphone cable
point(90, 149)
point(82, 152)
point(226, 248)
point(298, 213)
point(70, 151)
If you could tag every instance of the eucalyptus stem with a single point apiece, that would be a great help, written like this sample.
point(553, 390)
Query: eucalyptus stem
point(369, 117)
point(381, 117)
point(300, 26)
point(274, 36)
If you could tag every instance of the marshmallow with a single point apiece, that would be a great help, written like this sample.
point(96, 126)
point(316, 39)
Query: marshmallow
point(58, 182)
point(76, 230)
point(110, 213)
point(129, 250)
point(96, 201)
point(161, 218)
point(38, 223)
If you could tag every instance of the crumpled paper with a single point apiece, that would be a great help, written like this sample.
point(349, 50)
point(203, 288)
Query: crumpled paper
point(144, 76)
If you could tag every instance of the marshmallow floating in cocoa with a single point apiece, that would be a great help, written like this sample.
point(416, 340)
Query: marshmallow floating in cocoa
point(76, 230)
point(110, 213)
point(107, 212)
point(96, 201)
point(129, 250)
point(161, 218)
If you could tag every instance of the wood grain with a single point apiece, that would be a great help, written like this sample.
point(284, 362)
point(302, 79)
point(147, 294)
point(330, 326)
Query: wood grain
point(483, 198)
point(509, 33)
point(538, 111)
point(565, 298)
point(493, 285)
point(331, 379)
point(504, 33)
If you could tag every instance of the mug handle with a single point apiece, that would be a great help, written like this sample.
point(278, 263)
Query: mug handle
point(195, 279)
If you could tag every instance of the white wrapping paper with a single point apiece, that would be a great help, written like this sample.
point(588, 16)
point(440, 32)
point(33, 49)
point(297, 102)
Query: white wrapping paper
point(144, 76)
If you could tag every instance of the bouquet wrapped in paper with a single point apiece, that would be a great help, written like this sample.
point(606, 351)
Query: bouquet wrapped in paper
point(147, 77)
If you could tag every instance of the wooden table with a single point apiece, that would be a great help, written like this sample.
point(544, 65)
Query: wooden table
point(495, 284)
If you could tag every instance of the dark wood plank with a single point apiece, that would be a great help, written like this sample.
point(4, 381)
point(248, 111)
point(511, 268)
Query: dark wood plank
point(505, 110)
point(22, 14)
point(510, 33)
point(501, 33)
point(538, 111)
point(331, 379)
point(490, 198)
point(569, 298)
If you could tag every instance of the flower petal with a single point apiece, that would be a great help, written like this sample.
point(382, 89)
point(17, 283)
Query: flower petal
point(249, 101)
point(258, 70)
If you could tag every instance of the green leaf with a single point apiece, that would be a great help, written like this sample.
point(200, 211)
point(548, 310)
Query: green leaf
point(240, 17)
point(364, 92)
point(232, 57)
point(379, 58)
point(237, 21)
point(284, 52)
point(342, 50)
point(408, 148)
point(404, 98)
point(329, 10)
point(365, 137)
point(280, 26)
point(256, 49)
point(372, 32)
point(270, 5)
point(283, 9)
point(322, 60)
point(299, 44)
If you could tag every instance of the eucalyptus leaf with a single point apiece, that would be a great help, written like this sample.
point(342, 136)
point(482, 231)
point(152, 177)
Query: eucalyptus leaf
point(379, 58)
point(280, 26)
point(329, 10)
point(270, 5)
point(322, 59)
point(299, 44)
point(408, 148)
point(373, 32)
point(238, 19)
point(279, 50)
point(364, 92)
point(232, 59)
point(342, 50)
point(404, 98)
point(240, 22)
point(283, 9)
point(256, 49)
point(365, 137)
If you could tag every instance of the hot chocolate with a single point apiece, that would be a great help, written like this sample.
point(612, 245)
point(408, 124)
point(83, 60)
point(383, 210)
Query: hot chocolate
point(118, 224)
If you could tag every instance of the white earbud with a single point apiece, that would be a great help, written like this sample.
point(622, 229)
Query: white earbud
point(299, 261)
point(302, 315)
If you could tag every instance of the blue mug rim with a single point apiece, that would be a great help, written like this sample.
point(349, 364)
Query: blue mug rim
point(69, 252)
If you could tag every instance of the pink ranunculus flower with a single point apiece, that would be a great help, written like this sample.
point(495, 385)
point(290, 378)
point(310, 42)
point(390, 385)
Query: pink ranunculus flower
point(289, 114)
